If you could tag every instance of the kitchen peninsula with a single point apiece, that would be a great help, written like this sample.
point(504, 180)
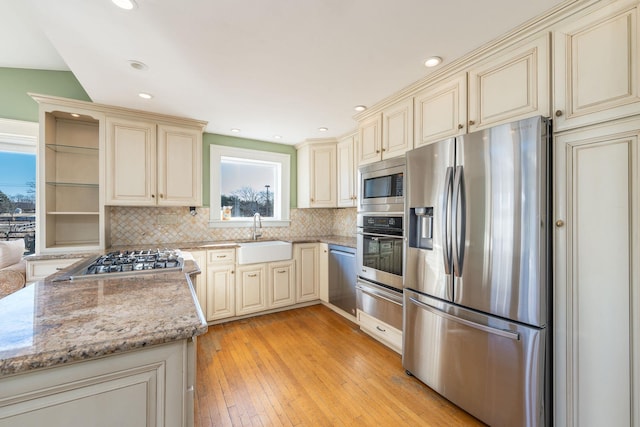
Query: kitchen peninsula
point(116, 351)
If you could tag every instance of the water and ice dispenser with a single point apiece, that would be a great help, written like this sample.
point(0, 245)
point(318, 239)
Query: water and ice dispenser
point(421, 227)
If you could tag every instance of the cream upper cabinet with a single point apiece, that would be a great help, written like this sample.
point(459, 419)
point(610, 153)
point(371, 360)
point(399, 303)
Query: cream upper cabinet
point(317, 175)
point(150, 164)
point(131, 162)
point(281, 290)
point(370, 140)
point(510, 85)
point(179, 166)
point(386, 135)
point(441, 111)
point(307, 257)
point(397, 129)
point(597, 275)
point(347, 172)
point(596, 59)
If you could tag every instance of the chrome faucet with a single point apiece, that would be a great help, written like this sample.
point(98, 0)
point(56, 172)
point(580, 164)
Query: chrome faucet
point(257, 221)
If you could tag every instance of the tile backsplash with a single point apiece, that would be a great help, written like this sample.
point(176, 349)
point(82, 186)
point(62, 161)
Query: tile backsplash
point(153, 225)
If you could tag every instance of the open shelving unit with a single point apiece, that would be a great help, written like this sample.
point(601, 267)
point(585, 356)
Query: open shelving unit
point(71, 183)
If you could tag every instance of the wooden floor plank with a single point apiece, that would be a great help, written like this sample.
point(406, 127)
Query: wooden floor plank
point(309, 367)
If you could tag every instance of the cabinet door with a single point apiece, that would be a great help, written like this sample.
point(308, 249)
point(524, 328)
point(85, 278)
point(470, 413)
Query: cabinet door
point(370, 140)
point(441, 111)
point(282, 291)
point(323, 176)
point(179, 166)
point(200, 280)
point(307, 256)
point(397, 129)
point(130, 162)
point(251, 295)
point(511, 86)
point(597, 276)
point(220, 291)
point(596, 66)
point(346, 172)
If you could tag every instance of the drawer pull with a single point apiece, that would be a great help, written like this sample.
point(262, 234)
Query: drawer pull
point(253, 275)
point(380, 329)
point(221, 256)
point(282, 271)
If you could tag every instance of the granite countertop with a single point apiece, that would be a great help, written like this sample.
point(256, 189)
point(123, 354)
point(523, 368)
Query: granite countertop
point(51, 323)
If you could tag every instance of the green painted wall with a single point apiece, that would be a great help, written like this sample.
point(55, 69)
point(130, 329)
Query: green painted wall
point(17, 105)
point(250, 144)
point(16, 82)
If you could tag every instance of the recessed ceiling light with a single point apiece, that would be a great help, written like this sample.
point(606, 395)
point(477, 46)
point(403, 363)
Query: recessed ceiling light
point(125, 4)
point(359, 108)
point(76, 115)
point(137, 65)
point(433, 61)
point(235, 130)
point(145, 95)
point(323, 129)
point(277, 137)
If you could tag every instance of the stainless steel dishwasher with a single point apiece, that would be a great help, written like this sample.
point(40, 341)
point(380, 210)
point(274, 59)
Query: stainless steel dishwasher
point(342, 278)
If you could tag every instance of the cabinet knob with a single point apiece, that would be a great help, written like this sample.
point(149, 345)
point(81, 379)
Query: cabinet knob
point(153, 196)
point(232, 271)
point(311, 199)
point(377, 151)
point(559, 223)
point(558, 113)
point(471, 123)
point(460, 126)
point(384, 149)
point(161, 196)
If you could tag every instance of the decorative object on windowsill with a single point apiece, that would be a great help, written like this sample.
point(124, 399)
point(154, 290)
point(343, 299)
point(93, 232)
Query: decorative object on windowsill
point(225, 213)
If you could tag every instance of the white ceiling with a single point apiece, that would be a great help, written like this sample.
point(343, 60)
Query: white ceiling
point(266, 67)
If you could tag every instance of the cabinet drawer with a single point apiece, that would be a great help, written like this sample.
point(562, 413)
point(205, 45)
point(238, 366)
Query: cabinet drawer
point(383, 332)
point(38, 270)
point(221, 256)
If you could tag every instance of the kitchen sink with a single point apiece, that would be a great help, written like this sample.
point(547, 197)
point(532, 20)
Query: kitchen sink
point(263, 251)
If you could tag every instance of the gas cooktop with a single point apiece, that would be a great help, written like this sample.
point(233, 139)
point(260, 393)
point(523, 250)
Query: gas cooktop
point(127, 263)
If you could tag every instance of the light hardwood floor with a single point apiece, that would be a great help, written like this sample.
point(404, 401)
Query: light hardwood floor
point(309, 367)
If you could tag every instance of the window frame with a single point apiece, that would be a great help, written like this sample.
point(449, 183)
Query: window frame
point(216, 154)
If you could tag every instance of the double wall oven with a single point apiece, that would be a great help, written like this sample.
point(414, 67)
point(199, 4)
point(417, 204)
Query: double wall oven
point(380, 237)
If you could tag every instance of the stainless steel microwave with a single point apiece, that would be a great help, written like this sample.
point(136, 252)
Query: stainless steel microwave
point(381, 186)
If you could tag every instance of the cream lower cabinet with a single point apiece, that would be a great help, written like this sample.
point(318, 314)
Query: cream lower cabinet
point(200, 280)
point(511, 85)
point(596, 66)
point(597, 275)
point(39, 269)
point(281, 290)
point(150, 387)
point(307, 257)
point(150, 163)
point(221, 284)
point(251, 289)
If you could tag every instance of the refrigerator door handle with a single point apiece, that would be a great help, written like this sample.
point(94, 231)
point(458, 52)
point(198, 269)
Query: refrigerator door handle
point(507, 334)
point(458, 215)
point(446, 220)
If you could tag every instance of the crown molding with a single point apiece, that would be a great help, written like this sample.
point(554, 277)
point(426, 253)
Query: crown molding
point(535, 27)
point(116, 111)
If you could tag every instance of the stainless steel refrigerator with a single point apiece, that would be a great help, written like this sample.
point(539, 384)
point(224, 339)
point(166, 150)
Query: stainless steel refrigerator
point(477, 272)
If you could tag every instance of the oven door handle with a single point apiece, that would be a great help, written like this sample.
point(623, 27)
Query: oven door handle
point(377, 295)
point(362, 233)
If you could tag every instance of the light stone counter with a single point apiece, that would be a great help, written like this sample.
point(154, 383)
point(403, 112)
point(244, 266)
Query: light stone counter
point(50, 323)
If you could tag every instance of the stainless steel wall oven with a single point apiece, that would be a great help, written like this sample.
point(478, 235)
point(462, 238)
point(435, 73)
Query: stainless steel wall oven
point(380, 248)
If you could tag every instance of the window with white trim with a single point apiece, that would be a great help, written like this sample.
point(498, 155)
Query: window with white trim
point(244, 182)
